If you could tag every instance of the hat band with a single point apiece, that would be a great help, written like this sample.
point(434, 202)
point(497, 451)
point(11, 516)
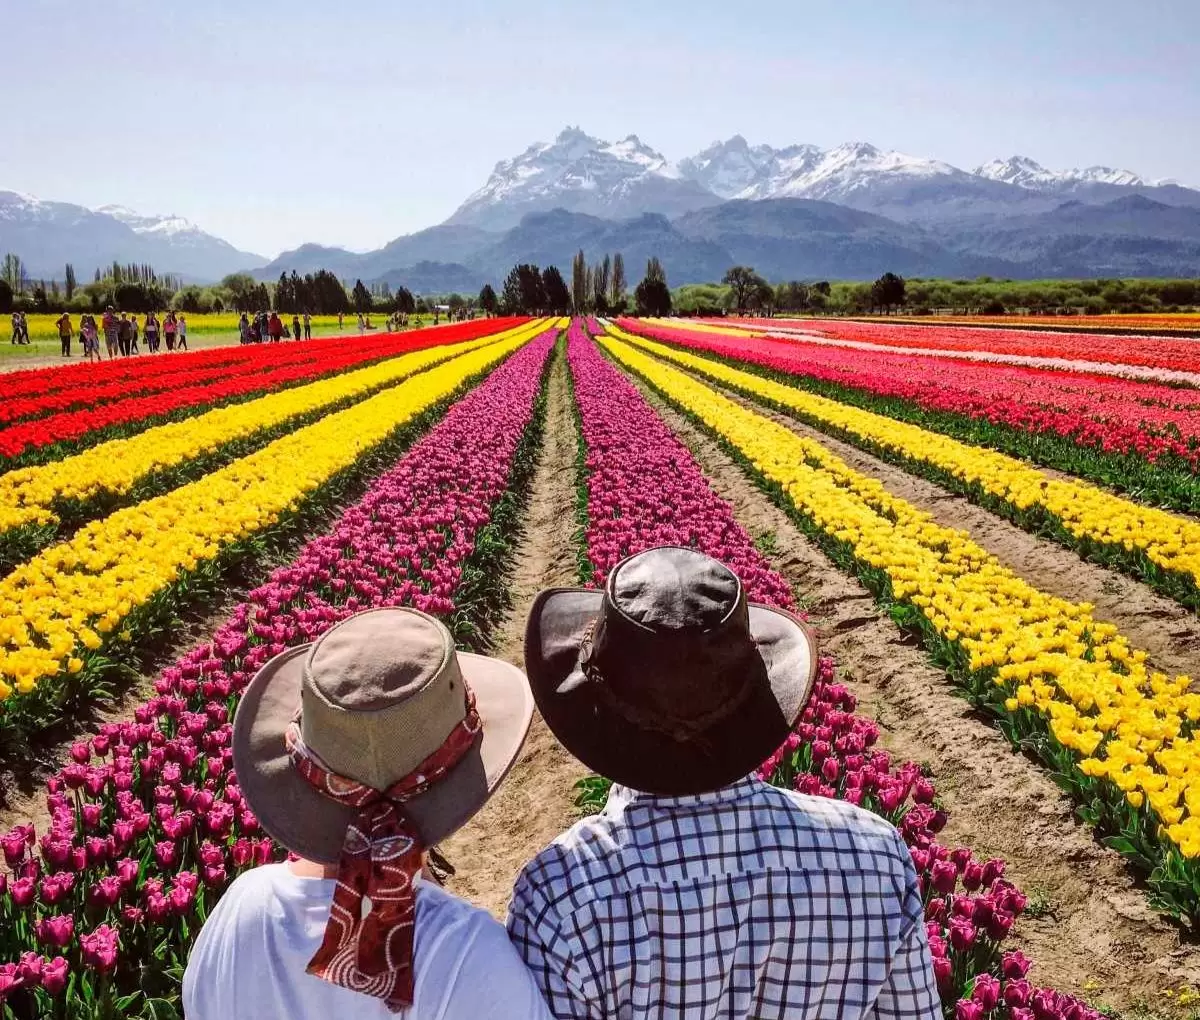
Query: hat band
point(681, 730)
point(368, 942)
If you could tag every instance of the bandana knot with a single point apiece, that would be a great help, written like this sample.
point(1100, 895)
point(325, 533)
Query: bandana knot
point(368, 942)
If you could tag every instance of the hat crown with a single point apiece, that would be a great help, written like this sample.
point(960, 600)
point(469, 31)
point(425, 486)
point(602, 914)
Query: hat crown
point(381, 692)
point(675, 589)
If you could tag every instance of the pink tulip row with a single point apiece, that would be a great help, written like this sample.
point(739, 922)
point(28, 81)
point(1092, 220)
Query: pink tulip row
point(644, 488)
point(1104, 412)
point(148, 824)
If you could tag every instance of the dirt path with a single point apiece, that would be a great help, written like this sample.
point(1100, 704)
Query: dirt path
point(1169, 632)
point(536, 801)
point(1093, 933)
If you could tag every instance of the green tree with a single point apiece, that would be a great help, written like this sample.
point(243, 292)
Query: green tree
point(558, 298)
point(12, 272)
point(405, 303)
point(791, 297)
point(579, 283)
point(70, 284)
point(524, 292)
point(653, 296)
point(6, 297)
point(744, 284)
point(600, 281)
point(887, 292)
point(616, 301)
point(510, 293)
point(487, 299)
point(361, 297)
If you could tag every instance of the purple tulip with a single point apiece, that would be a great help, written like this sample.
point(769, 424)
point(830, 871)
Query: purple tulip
point(967, 1009)
point(962, 933)
point(986, 992)
point(1018, 992)
point(99, 949)
point(10, 980)
point(55, 974)
point(106, 892)
point(944, 876)
point(22, 891)
point(166, 854)
point(56, 931)
point(1014, 965)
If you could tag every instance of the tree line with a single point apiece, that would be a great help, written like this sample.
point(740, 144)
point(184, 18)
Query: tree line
point(598, 289)
point(743, 290)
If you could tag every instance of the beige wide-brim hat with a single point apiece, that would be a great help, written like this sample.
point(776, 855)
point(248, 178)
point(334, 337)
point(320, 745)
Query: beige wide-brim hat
point(375, 696)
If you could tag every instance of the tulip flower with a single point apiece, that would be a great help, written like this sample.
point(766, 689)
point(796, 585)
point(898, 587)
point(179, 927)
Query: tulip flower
point(99, 949)
point(56, 930)
point(1014, 965)
point(22, 891)
point(55, 974)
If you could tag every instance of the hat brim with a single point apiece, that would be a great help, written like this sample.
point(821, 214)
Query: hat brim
point(313, 826)
point(650, 761)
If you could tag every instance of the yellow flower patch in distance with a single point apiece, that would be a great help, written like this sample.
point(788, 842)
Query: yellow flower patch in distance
point(1092, 688)
point(28, 494)
point(75, 595)
point(1087, 512)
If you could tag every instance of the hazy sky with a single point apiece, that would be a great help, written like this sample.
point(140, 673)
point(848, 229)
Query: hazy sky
point(271, 123)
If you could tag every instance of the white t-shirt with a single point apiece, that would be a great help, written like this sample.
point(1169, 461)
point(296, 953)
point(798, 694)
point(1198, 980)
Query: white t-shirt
point(248, 963)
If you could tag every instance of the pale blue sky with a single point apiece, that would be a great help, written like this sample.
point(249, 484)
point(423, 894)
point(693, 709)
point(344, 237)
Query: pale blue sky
point(271, 122)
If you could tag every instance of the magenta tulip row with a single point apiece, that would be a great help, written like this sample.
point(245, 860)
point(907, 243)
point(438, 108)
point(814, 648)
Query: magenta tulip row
point(148, 824)
point(644, 488)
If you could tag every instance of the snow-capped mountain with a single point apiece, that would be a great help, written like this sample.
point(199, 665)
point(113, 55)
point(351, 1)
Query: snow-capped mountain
point(729, 168)
point(47, 235)
point(139, 223)
point(1027, 173)
point(582, 174)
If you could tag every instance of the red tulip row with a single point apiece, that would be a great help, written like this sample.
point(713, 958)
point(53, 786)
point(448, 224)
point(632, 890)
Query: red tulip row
point(644, 488)
point(148, 825)
point(1151, 351)
point(123, 407)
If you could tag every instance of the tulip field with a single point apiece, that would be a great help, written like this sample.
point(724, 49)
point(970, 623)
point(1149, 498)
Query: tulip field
point(168, 525)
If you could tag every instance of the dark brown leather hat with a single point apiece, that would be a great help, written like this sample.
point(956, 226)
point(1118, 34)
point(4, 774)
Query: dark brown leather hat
point(668, 680)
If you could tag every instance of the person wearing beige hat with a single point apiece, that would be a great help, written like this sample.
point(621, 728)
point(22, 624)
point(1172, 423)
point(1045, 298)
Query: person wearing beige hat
point(701, 891)
point(358, 753)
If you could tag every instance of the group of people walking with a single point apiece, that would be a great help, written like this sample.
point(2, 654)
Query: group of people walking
point(20, 328)
point(699, 891)
point(121, 333)
point(269, 326)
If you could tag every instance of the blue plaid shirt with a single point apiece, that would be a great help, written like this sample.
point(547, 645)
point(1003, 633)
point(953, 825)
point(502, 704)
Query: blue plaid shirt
point(746, 902)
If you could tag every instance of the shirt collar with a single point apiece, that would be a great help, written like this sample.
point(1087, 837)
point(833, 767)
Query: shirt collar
point(623, 796)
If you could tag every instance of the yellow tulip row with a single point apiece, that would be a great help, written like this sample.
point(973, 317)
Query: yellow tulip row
point(1093, 691)
point(1087, 512)
point(76, 594)
point(27, 495)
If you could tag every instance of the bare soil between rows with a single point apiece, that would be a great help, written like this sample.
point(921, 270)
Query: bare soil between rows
point(1090, 930)
point(536, 801)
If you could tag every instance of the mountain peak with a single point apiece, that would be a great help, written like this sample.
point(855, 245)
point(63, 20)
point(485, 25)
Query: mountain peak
point(574, 134)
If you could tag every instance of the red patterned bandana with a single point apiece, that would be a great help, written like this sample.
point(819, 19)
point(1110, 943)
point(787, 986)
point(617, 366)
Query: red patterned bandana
point(368, 944)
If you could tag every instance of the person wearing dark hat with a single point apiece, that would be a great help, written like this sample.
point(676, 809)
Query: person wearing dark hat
point(358, 753)
point(699, 892)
